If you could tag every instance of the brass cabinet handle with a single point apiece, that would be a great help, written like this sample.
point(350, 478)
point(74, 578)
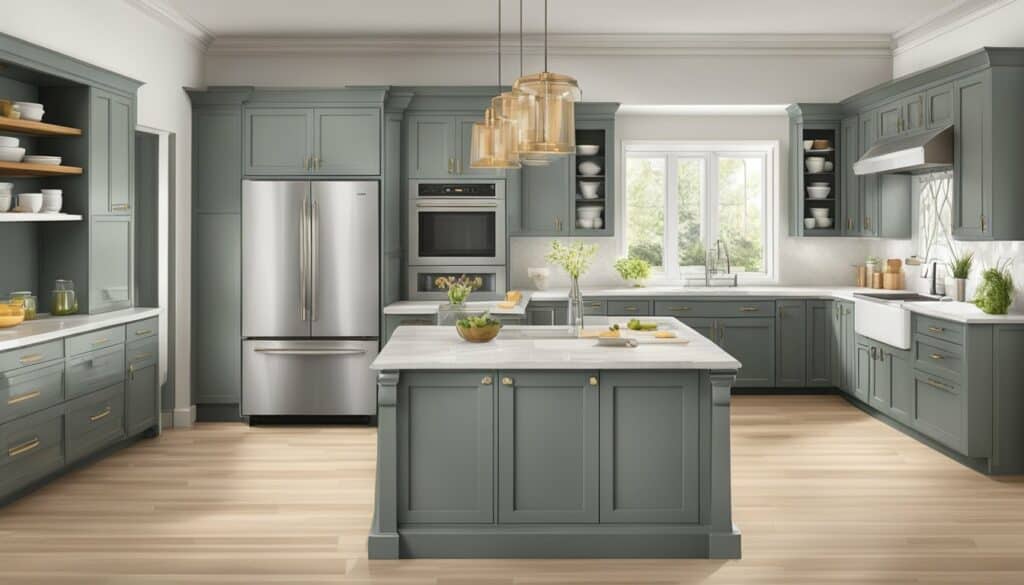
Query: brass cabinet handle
point(680, 309)
point(450, 165)
point(23, 448)
point(458, 166)
point(937, 384)
point(305, 163)
point(867, 222)
point(849, 223)
point(874, 353)
point(936, 356)
point(144, 332)
point(142, 356)
point(595, 305)
point(30, 359)
point(101, 415)
point(782, 313)
point(131, 371)
point(629, 308)
point(749, 309)
point(120, 206)
point(593, 380)
point(101, 341)
point(487, 381)
point(23, 397)
point(936, 329)
point(506, 381)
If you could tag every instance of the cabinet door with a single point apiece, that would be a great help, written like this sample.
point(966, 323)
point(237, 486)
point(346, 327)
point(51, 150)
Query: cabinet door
point(706, 327)
point(889, 119)
point(901, 383)
point(938, 106)
point(850, 192)
point(217, 159)
point(863, 373)
point(547, 313)
point(650, 437)
point(431, 147)
point(868, 183)
point(880, 389)
point(216, 298)
point(972, 192)
point(836, 346)
point(464, 126)
point(791, 344)
point(547, 447)
point(446, 447)
point(142, 386)
point(819, 344)
point(849, 348)
point(278, 141)
point(110, 264)
point(347, 141)
point(112, 147)
point(912, 111)
point(545, 198)
point(752, 342)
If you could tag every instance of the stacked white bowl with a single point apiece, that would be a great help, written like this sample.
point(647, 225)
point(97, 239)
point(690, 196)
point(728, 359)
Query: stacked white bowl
point(9, 150)
point(53, 200)
point(588, 189)
point(30, 111)
point(821, 217)
point(589, 216)
point(30, 202)
point(5, 196)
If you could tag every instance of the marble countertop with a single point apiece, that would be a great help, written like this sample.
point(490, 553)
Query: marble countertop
point(441, 348)
point(430, 307)
point(963, 313)
point(48, 328)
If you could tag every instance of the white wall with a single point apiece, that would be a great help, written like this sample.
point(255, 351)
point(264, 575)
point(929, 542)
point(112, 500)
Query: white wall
point(114, 35)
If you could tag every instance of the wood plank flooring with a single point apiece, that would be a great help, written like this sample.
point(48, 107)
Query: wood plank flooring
point(823, 493)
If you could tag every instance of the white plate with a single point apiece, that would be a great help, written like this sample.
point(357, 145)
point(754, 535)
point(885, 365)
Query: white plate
point(8, 154)
point(40, 159)
point(819, 150)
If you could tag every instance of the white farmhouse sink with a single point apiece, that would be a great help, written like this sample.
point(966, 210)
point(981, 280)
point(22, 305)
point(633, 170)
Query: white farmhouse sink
point(882, 316)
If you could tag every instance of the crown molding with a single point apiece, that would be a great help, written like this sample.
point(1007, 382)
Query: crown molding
point(958, 15)
point(704, 110)
point(590, 44)
point(159, 10)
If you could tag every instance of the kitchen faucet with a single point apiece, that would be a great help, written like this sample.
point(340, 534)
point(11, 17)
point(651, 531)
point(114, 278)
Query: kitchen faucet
point(712, 263)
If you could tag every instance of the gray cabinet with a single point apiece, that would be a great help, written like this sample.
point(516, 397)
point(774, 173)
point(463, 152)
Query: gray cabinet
point(884, 200)
point(791, 347)
point(816, 122)
point(446, 447)
point(888, 119)
point(277, 141)
point(938, 106)
point(347, 141)
point(142, 386)
point(111, 149)
point(337, 140)
point(972, 192)
point(620, 308)
point(31, 448)
point(217, 159)
point(438, 147)
point(912, 112)
point(863, 365)
point(868, 135)
point(843, 346)
point(849, 346)
point(216, 316)
point(544, 203)
point(110, 263)
point(850, 181)
point(540, 479)
point(553, 313)
point(752, 342)
point(703, 325)
point(94, 421)
point(650, 476)
point(819, 341)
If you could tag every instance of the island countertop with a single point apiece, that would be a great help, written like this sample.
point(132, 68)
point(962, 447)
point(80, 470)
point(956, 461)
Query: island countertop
point(542, 348)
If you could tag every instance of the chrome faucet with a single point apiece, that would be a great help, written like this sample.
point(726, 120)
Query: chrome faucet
point(712, 263)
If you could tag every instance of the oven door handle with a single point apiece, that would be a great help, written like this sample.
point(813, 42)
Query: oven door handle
point(457, 204)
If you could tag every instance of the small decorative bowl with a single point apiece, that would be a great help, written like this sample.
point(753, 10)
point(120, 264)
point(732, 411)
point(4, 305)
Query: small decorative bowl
point(479, 334)
point(12, 313)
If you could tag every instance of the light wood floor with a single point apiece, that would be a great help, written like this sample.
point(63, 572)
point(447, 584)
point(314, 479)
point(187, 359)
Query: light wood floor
point(823, 493)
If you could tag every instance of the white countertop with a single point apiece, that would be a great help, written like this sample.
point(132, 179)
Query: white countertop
point(430, 307)
point(962, 313)
point(441, 348)
point(48, 328)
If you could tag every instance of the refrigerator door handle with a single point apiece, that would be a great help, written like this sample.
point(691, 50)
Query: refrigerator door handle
point(272, 351)
point(302, 261)
point(315, 257)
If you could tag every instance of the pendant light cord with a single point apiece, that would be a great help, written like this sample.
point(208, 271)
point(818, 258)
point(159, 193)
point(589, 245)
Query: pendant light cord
point(499, 47)
point(545, 36)
point(520, 38)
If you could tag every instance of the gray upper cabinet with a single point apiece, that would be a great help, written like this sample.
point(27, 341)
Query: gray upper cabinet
point(110, 272)
point(912, 114)
point(869, 183)
point(972, 200)
point(278, 141)
point(438, 147)
point(347, 141)
point(938, 106)
point(112, 147)
point(544, 200)
point(888, 119)
point(791, 343)
point(850, 181)
point(217, 159)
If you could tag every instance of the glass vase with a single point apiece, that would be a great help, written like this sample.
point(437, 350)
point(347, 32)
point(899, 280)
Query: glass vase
point(575, 308)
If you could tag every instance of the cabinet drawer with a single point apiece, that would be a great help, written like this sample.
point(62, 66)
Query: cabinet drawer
point(92, 371)
point(95, 421)
point(595, 307)
point(939, 357)
point(685, 308)
point(939, 329)
point(31, 448)
point(939, 410)
point(629, 308)
point(31, 355)
point(30, 390)
point(142, 353)
point(142, 329)
point(80, 344)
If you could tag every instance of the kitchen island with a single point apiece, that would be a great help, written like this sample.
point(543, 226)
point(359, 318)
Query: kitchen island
point(538, 444)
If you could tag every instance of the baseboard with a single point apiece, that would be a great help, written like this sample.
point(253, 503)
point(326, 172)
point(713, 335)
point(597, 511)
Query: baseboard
point(778, 391)
point(184, 417)
point(167, 419)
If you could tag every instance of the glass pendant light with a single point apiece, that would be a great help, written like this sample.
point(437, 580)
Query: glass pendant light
point(493, 141)
point(548, 124)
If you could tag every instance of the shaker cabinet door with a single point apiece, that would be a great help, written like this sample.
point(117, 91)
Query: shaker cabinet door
point(972, 192)
point(431, 147)
point(347, 141)
point(752, 342)
point(216, 298)
point(112, 148)
point(819, 344)
point(545, 198)
point(110, 264)
point(791, 344)
point(278, 141)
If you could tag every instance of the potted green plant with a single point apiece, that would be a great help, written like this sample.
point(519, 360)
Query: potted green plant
point(459, 289)
point(635, 270)
point(960, 267)
point(575, 259)
point(995, 293)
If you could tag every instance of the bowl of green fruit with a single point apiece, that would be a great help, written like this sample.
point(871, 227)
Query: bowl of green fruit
point(478, 328)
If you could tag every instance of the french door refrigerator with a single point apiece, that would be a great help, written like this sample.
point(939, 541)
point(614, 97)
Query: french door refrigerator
point(310, 297)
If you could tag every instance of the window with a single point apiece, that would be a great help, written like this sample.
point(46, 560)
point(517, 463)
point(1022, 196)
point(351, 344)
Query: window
point(709, 193)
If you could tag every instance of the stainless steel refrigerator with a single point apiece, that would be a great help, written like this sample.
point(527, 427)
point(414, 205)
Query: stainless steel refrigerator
point(310, 297)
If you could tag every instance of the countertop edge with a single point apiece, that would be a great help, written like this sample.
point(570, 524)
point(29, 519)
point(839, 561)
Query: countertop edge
point(71, 325)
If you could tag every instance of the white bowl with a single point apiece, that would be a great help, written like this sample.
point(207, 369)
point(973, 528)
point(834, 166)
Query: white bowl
point(819, 192)
point(29, 105)
point(808, 144)
point(820, 184)
point(585, 223)
point(589, 211)
point(598, 223)
point(40, 159)
point(30, 202)
point(823, 222)
point(6, 187)
point(809, 222)
point(31, 114)
point(539, 277)
point(819, 212)
point(53, 199)
point(8, 154)
point(5, 201)
point(587, 149)
point(8, 141)
point(588, 189)
point(815, 164)
point(589, 168)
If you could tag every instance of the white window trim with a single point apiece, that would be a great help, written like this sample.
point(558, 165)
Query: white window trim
point(707, 150)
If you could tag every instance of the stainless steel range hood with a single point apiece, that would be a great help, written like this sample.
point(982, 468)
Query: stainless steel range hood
point(926, 152)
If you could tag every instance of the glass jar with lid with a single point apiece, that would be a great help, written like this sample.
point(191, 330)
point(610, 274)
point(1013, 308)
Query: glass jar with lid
point(63, 301)
point(29, 300)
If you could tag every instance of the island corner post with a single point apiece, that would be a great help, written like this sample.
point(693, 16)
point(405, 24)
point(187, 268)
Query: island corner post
point(644, 464)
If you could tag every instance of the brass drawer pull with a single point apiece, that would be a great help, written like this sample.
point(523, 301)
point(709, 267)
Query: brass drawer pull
point(101, 341)
point(629, 308)
point(487, 381)
point(683, 308)
point(936, 356)
point(142, 356)
point(936, 329)
point(749, 309)
point(30, 359)
point(506, 381)
point(593, 380)
point(119, 206)
point(23, 448)
point(24, 397)
point(101, 415)
point(939, 385)
point(141, 332)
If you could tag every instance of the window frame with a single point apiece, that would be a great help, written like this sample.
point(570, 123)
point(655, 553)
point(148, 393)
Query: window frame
point(710, 153)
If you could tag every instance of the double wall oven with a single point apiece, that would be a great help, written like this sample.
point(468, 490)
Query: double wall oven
point(456, 229)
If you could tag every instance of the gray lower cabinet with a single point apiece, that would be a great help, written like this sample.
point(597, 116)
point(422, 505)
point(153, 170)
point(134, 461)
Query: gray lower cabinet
point(864, 364)
point(628, 308)
point(446, 447)
point(31, 448)
point(553, 313)
point(217, 320)
point(650, 476)
point(752, 342)
point(30, 389)
point(540, 479)
point(142, 385)
point(848, 349)
point(110, 263)
point(819, 339)
point(703, 325)
point(95, 421)
point(791, 344)
point(595, 307)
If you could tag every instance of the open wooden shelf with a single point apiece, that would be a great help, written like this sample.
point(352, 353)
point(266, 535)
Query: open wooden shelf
point(21, 169)
point(36, 128)
point(17, 217)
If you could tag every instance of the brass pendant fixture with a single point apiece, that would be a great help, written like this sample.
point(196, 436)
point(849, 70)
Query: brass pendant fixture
point(494, 141)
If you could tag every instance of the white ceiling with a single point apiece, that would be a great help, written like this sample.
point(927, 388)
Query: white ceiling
point(319, 18)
